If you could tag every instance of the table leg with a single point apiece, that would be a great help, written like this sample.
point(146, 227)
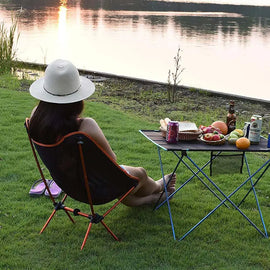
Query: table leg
point(259, 178)
point(255, 194)
point(180, 159)
point(157, 205)
point(227, 198)
point(196, 174)
point(165, 188)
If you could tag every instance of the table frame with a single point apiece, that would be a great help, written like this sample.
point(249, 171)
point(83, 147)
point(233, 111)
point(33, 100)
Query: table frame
point(184, 148)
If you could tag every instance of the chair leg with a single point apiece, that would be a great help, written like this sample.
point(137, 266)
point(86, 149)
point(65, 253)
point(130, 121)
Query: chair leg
point(50, 218)
point(48, 221)
point(110, 231)
point(70, 217)
point(88, 231)
point(86, 235)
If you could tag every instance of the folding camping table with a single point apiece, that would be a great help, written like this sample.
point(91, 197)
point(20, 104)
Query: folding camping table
point(181, 151)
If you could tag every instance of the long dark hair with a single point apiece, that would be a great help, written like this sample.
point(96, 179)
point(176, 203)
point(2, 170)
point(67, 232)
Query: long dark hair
point(51, 121)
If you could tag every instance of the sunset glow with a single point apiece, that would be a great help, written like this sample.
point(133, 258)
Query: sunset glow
point(62, 23)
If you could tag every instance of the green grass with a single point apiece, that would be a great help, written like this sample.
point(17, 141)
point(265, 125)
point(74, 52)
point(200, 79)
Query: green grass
point(224, 241)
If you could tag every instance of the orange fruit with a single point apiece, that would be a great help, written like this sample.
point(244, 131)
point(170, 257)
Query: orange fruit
point(242, 143)
point(221, 126)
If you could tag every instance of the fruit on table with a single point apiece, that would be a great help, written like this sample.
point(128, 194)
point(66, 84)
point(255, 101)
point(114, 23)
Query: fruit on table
point(240, 132)
point(222, 126)
point(235, 135)
point(213, 136)
point(232, 140)
point(208, 136)
point(209, 129)
point(216, 137)
point(242, 143)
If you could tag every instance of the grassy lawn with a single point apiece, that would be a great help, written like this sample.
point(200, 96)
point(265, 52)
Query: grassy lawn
point(224, 241)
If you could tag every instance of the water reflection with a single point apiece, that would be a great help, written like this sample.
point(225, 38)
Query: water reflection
point(62, 23)
point(191, 22)
point(138, 38)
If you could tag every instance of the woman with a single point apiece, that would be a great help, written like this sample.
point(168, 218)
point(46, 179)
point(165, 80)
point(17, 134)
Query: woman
point(61, 93)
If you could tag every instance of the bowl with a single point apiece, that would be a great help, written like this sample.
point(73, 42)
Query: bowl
point(219, 142)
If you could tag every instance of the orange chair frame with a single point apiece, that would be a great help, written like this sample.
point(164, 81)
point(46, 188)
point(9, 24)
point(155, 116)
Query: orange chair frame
point(93, 216)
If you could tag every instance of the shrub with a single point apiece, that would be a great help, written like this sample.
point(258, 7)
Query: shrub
point(8, 40)
point(174, 77)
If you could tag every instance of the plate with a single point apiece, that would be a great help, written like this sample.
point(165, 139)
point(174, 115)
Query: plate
point(219, 142)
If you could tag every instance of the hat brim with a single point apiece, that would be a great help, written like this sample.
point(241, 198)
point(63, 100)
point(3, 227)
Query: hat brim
point(86, 89)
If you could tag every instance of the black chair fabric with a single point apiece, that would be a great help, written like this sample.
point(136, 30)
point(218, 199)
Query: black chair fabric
point(107, 180)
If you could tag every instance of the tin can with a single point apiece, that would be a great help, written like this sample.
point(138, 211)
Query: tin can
point(246, 129)
point(255, 129)
point(172, 132)
point(268, 143)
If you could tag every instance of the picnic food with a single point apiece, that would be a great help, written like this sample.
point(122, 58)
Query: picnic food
point(164, 123)
point(235, 135)
point(187, 130)
point(163, 126)
point(240, 131)
point(243, 143)
point(215, 136)
point(221, 126)
point(209, 129)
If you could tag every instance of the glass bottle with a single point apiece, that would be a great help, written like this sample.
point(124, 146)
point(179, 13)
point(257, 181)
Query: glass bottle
point(231, 117)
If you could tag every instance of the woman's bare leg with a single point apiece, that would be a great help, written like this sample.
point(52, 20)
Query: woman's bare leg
point(133, 200)
point(148, 186)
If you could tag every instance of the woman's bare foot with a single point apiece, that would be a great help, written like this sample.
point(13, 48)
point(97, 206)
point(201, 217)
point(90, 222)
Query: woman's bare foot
point(170, 185)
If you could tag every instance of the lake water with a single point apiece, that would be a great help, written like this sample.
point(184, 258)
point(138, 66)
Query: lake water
point(224, 47)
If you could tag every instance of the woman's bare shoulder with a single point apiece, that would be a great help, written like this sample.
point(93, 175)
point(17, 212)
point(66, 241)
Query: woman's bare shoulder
point(88, 124)
point(88, 121)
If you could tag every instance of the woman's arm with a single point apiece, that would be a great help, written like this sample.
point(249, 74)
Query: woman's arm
point(90, 127)
point(33, 111)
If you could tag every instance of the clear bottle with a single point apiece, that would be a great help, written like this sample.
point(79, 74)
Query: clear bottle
point(231, 117)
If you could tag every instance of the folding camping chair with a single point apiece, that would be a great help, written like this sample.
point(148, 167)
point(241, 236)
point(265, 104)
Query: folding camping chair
point(85, 173)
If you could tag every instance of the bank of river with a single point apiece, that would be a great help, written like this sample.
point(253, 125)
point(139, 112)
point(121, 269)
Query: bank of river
point(148, 99)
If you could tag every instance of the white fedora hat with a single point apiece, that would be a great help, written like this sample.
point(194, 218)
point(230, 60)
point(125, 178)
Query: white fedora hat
point(62, 84)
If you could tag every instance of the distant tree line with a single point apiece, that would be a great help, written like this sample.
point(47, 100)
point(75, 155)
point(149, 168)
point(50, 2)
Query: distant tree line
point(146, 5)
